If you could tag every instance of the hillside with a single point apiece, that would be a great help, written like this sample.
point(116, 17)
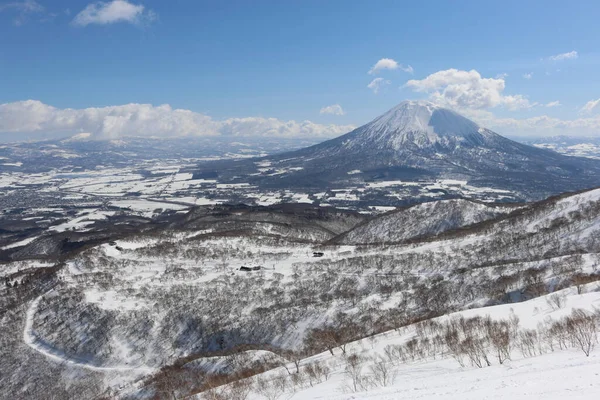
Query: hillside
point(133, 312)
point(413, 362)
point(422, 220)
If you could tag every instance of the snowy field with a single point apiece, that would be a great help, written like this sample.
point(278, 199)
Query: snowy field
point(167, 181)
point(65, 200)
point(588, 150)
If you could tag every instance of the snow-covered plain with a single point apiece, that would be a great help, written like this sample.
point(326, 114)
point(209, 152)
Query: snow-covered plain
point(167, 182)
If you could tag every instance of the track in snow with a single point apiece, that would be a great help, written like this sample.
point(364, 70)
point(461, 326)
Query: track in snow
point(46, 349)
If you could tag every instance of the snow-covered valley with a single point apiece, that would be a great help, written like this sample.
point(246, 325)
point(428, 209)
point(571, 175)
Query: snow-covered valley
point(169, 309)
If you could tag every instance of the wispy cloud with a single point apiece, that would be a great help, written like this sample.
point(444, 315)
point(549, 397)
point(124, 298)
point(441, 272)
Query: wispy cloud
point(553, 104)
point(388, 63)
point(377, 84)
point(528, 75)
point(23, 10)
point(571, 55)
point(591, 106)
point(104, 13)
point(334, 109)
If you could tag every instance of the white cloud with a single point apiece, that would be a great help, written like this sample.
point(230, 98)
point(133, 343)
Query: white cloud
point(564, 56)
point(103, 13)
point(591, 106)
point(528, 75)
point(388, 63)
point(542, 125)
point(553, 104)
point(467, 90)
point(334, 109)
point(31, 117)
point(22, 9)
point(34, 117)
point(272, 127)
point(377, 84)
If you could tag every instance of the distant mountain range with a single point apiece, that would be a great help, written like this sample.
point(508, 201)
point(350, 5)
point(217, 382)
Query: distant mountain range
point(83, 152)
point(418, 141)
point(588, 147)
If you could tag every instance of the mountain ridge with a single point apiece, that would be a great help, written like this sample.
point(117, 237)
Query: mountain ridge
point(423, 220)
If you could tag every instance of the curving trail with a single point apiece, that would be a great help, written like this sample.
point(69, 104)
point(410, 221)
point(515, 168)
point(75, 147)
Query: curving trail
point(46, 349)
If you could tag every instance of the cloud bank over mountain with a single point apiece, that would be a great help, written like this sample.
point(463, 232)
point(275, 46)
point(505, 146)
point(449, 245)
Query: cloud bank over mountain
point(32, 117)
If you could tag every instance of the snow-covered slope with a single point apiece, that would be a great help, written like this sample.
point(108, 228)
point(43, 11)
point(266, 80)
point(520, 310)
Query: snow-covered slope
point(418, 123)
point(421, 220)
point(550, 372)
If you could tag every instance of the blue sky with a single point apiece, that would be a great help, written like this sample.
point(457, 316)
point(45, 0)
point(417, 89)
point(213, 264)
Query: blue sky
point(505, 64)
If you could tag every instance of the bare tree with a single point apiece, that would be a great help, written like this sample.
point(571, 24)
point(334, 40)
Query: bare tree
point(316, 373)
point(498, 333)
point(452, 340)
point(556, 301)
point(558, 331)
point(382, 374)
point(295, 357)
point(168, 383)
point(298, 380)
point(239, 390)
point(321, 339)
point(475, 350)
point(528, 340)
point(354, 371)
point(582, 329)
point(272, 389)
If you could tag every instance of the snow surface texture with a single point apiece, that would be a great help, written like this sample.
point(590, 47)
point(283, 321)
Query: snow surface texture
point(554, 375)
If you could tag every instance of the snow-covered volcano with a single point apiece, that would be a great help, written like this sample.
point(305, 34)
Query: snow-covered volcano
point(420, 123)
point(422, 127)
point(418, 140)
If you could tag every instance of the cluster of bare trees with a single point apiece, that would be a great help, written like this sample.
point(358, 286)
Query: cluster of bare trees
point(256, 308)
point(361, 373)
point(480, 341)
point(380, 373)
point(271, 386)
point(229, 375)
point(234, 309)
